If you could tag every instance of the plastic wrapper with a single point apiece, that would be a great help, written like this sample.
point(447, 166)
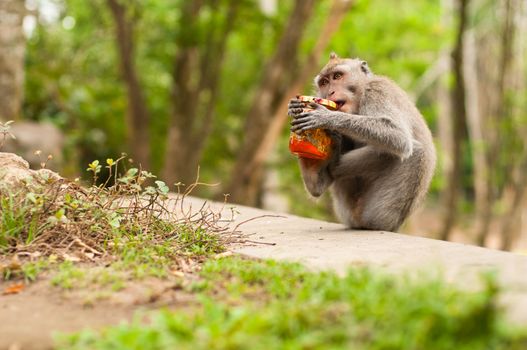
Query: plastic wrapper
point(316, 143)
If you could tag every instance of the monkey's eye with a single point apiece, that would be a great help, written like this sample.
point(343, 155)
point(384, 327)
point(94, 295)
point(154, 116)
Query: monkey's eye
point(337, 75)
point(323, 82)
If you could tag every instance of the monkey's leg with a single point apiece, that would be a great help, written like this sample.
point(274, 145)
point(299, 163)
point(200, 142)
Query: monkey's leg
point(354, 176)
point(392, 196)
point(316, 175)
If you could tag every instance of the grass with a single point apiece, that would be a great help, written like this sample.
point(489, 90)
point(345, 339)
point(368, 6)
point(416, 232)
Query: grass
point(127, 222)
point(70, 276)
point(17, 220)
point(27, 271)
point(269, 305)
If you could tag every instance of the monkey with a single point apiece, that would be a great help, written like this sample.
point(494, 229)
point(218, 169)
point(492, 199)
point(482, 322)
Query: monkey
point(383, 156)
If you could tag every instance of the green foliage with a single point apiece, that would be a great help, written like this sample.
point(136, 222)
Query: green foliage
point(19, 220)
point(270, 305)
point(72, 72)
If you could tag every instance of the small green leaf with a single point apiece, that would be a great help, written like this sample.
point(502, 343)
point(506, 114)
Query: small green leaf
point(94, 167)
point(115, 222)
point(162, 187)
point(147, 174)
point(131, 172)
point(150, 190)
point(31, 197)
point(59, 214)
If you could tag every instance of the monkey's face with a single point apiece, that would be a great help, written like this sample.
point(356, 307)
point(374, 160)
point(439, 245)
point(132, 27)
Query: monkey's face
point(343, 83)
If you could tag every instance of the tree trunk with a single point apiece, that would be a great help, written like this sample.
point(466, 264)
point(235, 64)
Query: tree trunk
point(444, 124)
point(483, 203)
point(444, 102)
point(12, 52)
point(195, 87)
point(499, 113)
point(510, 224)
point(451, 196)
point(511, 221)
point(138, 118)
point(267, 114)
point(486, 90)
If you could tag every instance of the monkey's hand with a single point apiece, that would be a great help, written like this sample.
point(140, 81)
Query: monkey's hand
point(318, 118)
point(295, 107)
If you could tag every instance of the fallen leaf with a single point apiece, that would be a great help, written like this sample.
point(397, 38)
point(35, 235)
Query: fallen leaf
point(71, 258)
point(184, 265)
point(177, 273)
point(36, 254)
point(14, 289)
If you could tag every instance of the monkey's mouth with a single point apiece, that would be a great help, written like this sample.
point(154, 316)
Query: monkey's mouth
point(340, 103)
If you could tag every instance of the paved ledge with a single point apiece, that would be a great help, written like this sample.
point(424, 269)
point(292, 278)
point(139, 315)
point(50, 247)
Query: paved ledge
point(323, 245)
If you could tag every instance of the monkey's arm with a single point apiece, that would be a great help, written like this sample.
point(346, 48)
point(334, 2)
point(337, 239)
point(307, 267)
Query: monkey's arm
point(316, 175)
point(382, 119)
point(365, 161)
point(384, 132)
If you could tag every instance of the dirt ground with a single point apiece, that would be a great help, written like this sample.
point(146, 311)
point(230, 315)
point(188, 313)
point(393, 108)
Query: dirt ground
point(29, 319)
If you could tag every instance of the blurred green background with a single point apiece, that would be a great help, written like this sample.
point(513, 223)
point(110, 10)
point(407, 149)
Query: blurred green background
point(179, 85)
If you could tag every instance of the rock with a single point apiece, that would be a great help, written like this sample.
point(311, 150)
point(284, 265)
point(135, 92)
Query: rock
point(14, 170)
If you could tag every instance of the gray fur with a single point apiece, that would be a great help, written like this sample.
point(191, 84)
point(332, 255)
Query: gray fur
point(379, 181)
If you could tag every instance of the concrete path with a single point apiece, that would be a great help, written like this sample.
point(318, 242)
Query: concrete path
point(324, 245)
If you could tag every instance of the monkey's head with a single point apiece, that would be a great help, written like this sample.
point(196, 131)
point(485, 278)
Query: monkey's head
point(342, 80)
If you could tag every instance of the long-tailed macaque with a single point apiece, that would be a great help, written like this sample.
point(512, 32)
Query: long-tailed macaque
point(383, 156)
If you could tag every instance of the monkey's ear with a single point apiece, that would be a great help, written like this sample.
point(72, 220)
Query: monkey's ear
point(333, 56)
point(364, 67)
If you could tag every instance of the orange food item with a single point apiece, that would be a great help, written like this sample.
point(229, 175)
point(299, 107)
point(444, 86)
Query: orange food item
point(313, 144)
